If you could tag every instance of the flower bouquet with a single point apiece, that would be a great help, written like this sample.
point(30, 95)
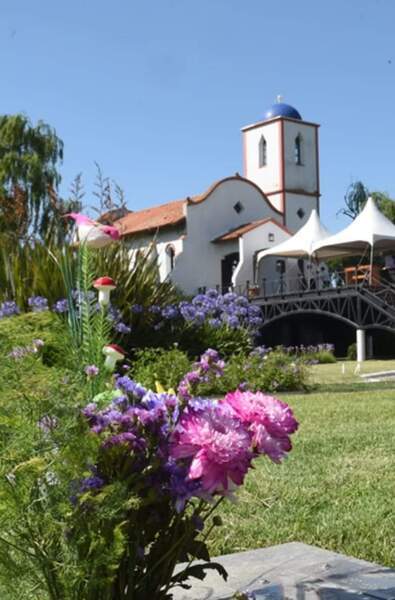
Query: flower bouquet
point(171, 458)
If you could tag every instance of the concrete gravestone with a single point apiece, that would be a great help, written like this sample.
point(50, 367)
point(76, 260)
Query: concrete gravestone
point(295, 571)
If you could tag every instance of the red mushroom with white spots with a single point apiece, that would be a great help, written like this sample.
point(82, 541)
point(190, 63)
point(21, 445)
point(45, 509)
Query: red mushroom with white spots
point(113, 354)
point(105, 285)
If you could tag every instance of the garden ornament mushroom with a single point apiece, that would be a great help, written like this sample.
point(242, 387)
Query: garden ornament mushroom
point(105, 285)
point(113, 354)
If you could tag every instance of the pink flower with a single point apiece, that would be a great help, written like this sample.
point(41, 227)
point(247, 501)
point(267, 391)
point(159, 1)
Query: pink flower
point(270, 421)
point(217, 444)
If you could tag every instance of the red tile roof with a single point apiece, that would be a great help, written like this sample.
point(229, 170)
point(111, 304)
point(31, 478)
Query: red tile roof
point(153, 218)
point(172, 213)
point(234, 234)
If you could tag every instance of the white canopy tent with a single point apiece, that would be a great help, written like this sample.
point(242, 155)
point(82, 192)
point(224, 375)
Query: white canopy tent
point(301, 244)
point(370, 229)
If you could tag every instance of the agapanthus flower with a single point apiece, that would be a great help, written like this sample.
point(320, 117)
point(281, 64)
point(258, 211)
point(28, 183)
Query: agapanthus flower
point(170, 312)
point(38, 303)
point(137, 308)
point(8, 308)
point(61, 306)
point(122, 328)
point(217, 446)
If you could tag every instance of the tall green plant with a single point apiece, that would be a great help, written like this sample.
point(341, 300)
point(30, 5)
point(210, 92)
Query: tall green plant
point(27, 269)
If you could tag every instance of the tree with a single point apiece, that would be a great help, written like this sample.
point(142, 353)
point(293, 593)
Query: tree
point(385, 204)
point(356, 197)
point(29, 177)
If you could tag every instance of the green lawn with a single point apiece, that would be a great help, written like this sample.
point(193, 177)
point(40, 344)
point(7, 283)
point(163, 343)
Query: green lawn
point(333, 373)
point(337, 488)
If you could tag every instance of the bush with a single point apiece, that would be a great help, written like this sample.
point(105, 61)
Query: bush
point(320, 357)
point(352, 352)
point(157, 365)
point(21, 330)
point(275, 371)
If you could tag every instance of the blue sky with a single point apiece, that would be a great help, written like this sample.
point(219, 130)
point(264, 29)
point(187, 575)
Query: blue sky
point(157, 91)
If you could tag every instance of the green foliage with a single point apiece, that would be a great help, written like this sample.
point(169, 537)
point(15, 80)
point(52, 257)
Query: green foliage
point(355, 199)
point(157, 365)
point(27, 269)
point(226, 340)
point(22, 329)
point(29, 156)
point(275, 372)
point(386, 204)
point(322, 357)
point(352, 352)
point(137, 280)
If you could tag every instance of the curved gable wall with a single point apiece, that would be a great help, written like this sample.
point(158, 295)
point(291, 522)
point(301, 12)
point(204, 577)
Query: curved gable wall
point(207, 218)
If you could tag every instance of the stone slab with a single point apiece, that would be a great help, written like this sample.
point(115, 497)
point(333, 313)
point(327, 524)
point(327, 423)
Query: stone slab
point(295, 571)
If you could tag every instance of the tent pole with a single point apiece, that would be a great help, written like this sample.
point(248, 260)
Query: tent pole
point(371, 266)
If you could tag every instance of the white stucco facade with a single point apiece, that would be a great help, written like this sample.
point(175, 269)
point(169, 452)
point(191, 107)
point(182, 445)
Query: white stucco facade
point(210, 219)
point(212, 240)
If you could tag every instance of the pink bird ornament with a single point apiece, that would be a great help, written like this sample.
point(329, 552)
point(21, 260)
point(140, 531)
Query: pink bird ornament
point(92, 233)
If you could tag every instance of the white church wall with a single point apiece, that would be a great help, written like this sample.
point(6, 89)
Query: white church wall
point(295, 203)
point(300, 177)
point(200, 262)
point(260, 238)
point(162, 240)
point(268, 177)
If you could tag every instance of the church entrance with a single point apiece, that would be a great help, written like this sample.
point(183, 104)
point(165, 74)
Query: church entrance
point(228, 265)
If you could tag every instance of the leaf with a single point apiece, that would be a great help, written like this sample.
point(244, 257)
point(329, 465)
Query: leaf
point(198, 549)
point(198, 571)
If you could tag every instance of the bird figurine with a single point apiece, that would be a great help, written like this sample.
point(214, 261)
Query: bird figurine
point(92, 233)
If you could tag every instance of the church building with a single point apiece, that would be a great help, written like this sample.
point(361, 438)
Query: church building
point(212, 240)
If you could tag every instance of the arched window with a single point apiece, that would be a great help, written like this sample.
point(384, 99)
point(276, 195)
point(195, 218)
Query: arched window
point(262, 152)
point(298, 150)
point(170, 257)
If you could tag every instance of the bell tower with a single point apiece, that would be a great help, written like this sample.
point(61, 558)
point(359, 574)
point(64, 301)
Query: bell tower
point(280, 155)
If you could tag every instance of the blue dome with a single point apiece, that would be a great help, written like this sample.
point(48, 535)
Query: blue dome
point(282, 110)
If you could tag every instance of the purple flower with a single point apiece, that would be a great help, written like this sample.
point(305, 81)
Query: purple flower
point(94, 482)
point(47, 423)
point(130, 387)
point(91, 371)
point(61, 306)
point(8, 309)
point(215, 323)
point(170, 312)
point(233, 322)
point(155, 309)
point(38, 303)
point(137, 308)
point(122, 328)
point(188, 312)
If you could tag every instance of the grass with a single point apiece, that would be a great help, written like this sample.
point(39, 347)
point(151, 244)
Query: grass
point(331, 378)
point(336, 490)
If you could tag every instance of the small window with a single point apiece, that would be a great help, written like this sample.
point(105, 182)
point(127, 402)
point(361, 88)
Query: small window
point(298, 150)
point(300, 212)
point(262, 152)
point(271, 237)
point(171, 257)
point(238, 207)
